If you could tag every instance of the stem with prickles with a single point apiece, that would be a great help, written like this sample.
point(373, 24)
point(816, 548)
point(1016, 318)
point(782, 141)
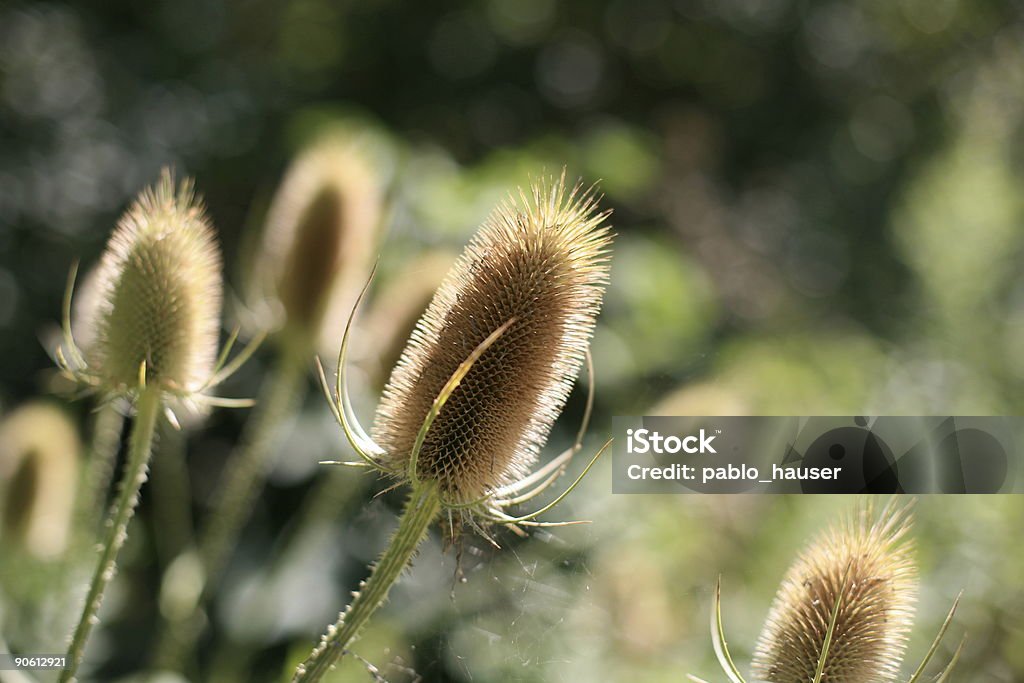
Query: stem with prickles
point(139, 448)
point(420, 511)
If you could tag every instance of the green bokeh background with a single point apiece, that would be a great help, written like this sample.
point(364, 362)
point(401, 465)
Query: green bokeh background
point(818, 207)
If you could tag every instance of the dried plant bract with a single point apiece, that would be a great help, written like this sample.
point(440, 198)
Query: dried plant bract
point(540, 264)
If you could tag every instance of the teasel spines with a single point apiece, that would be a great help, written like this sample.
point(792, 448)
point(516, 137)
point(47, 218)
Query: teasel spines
point(317, 243)
point(158, 295)
point(867, 566)
point(538, 265)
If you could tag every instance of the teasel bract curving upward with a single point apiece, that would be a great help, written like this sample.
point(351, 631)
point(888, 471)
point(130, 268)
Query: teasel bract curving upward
point(156, 323)
point(484, 376)
point(845, 609)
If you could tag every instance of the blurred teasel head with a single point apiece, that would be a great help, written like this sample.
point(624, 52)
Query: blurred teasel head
point(398, 307)
point(317, 244)
point(860, 575)
point(39, 453)
point(152, 308)
point(491, 362)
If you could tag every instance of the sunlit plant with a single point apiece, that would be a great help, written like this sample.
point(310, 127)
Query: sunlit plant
point(157, 324)
point(481, 381)
point(844, 610)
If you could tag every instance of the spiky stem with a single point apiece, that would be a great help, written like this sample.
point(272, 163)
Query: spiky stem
point(420, 511)
point(243, 474)
point(139, 448)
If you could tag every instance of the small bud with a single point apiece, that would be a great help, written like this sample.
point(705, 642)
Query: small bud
point(540, 265)
point(158, 295)
point(39, 452)
point(868, 567)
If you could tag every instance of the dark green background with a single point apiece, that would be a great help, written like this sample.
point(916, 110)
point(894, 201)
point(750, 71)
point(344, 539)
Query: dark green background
point(819, 210)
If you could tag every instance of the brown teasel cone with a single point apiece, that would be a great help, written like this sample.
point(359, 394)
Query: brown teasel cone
point(541, 263)
point(867, 565)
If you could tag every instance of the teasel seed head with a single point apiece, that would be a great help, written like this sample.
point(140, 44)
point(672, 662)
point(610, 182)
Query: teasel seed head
point(39, 454)
point(865, 564)
point(158, 295)
point(317, 244)
point(538, 265)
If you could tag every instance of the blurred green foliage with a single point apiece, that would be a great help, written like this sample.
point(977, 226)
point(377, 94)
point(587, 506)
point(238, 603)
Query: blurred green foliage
point(818, 208)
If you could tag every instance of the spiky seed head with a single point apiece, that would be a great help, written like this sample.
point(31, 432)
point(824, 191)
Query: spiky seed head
point(159, 294)
point(875, 558)
point(540, 262)
point(39, 452)
point(318, 240)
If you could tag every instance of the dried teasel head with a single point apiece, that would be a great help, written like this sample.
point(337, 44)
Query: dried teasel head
point(39, 454)
point(317, 244)
point(539, 266)
point(492, 360)
point(159, 292)
point(153, 306)
point(862, 575)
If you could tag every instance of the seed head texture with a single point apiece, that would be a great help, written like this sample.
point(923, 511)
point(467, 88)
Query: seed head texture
point(868, 565)
point(159, 294)
point(540, 262)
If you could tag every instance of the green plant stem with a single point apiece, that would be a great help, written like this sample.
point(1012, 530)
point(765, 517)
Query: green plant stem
point(139, 448)
point(420, 511)
point(243, 475)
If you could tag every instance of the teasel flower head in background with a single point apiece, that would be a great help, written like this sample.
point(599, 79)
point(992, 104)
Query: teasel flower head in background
point(396, 309)
point(491, 362)
point(318, 240)
point(39, 462)
point(154, 304)
point(845, 609)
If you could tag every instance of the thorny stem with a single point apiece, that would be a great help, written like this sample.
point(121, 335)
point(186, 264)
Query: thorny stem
point(139, 448)
point(243, 474)
point(420, 511)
